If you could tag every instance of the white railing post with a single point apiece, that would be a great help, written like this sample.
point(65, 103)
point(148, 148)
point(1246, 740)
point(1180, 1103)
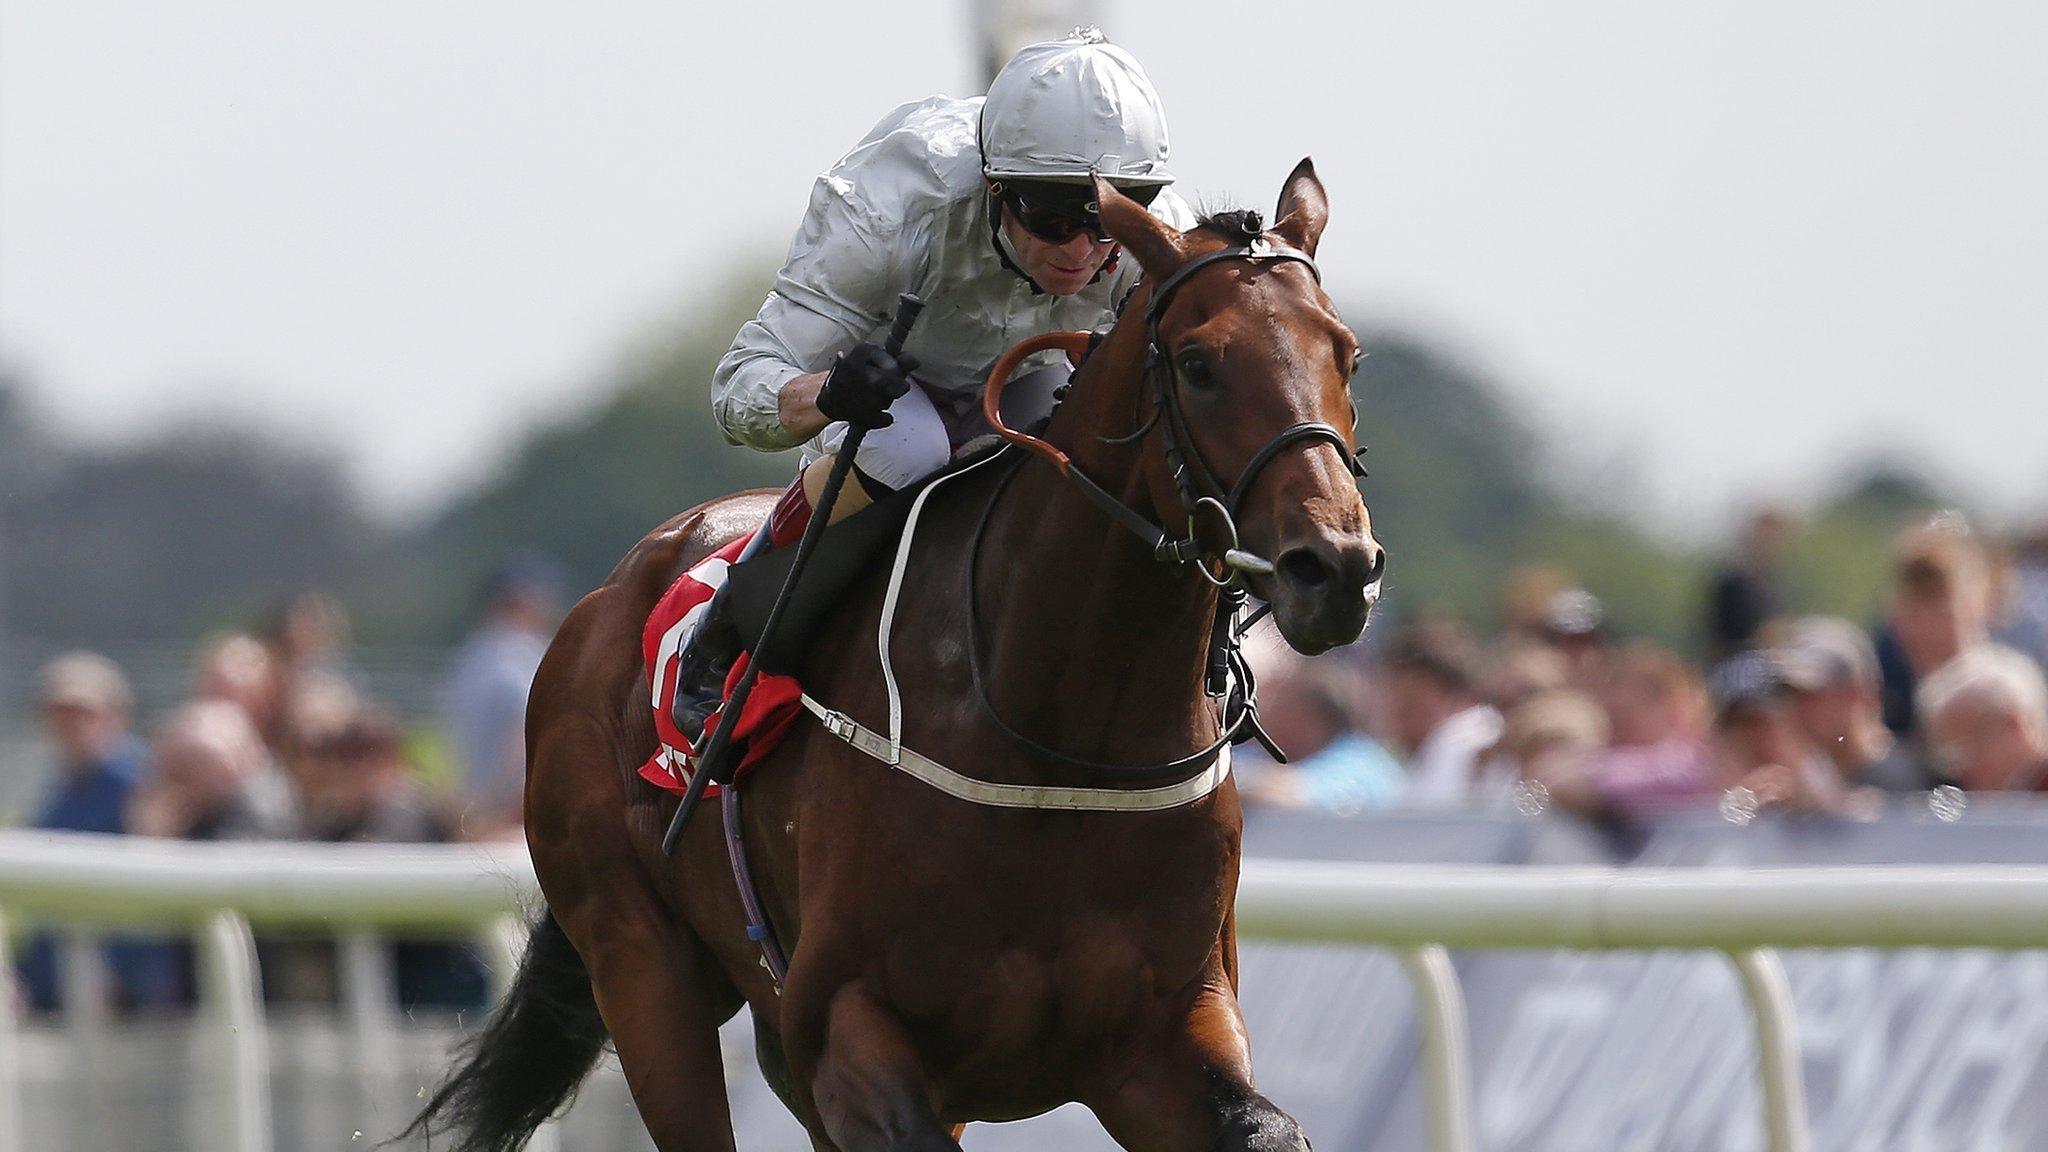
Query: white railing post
point(83, 998)
point(11, 1123)
point(1777, 1047)
point(369, 1001)
point(1440, 1019)
point(232, 1000)
point(506, 946)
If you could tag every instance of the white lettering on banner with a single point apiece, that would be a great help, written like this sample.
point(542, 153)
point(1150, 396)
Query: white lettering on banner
point(1325, 1054)
point(1831, 1019)
point(1935, 1053)
point(1554, 1031)
point(1908, 1051)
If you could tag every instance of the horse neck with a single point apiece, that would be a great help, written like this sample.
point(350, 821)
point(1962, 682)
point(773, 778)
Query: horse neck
point(1092, 643)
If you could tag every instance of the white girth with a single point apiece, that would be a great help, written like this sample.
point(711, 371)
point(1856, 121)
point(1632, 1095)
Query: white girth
point(890, 750)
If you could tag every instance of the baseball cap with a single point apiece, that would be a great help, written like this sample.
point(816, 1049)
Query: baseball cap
point(1744, 680)
point(1573, 612)
point(85, 680)
point(1823, 651)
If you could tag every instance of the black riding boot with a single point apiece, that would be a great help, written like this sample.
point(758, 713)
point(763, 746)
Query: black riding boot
point(737, 615)
point(707, 659)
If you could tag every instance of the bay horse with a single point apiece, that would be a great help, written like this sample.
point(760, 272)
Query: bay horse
point(949, 961)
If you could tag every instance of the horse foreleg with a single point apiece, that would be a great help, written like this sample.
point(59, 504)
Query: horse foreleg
point(775, 1070)
point(1194, 1088)
point(868, 1088)
point(663, 997)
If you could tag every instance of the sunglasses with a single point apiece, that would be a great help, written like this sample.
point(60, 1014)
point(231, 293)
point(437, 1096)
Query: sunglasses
point(1057, 213)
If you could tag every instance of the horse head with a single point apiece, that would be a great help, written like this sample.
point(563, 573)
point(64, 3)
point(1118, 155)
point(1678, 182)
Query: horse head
point(1251, 367)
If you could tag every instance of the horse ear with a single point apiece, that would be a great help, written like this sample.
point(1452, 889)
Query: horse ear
point(1155, 243)
point(1303, 208)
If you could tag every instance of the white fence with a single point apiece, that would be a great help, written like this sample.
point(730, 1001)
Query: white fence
point(218, 892)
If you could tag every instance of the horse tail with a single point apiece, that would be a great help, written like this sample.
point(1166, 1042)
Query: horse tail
point(529, 1060)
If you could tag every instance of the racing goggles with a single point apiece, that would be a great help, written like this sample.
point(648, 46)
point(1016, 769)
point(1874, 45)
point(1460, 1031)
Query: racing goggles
point(1056, 213)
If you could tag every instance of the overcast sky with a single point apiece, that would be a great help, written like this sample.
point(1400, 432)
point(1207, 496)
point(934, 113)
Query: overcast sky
point(1733, 244)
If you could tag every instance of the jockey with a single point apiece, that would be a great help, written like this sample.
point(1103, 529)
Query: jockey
point(983, 207)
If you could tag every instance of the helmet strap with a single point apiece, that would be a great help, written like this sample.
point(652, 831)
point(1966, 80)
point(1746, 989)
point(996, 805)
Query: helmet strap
point(1001, 243)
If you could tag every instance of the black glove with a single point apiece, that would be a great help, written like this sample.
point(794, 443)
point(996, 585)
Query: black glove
point(865, 380)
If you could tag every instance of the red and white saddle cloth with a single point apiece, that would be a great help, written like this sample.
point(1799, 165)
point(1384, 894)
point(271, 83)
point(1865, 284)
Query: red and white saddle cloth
point(776, 700)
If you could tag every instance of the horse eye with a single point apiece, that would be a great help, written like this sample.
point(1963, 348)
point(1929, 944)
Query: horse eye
point(1194, 367)
point(1357, 361)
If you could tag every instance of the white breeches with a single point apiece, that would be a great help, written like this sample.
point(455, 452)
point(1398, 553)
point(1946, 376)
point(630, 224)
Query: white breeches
point(930, 425)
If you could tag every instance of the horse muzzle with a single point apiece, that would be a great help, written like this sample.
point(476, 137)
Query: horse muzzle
point(1323, 591)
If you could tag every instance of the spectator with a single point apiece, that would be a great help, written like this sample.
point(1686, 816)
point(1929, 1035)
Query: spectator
point(1527, 597)
point(1657, 760)
point(307, 630)
point(306, 634)
point(1987, 720)
point(1745, 592)
point(484, 701)
point(1434, 715)
point(360, 789)
point(1760, 747)
point(2022, 617)
point(237, 668)
point(1523, 669)
point(1551, 738)
point(214, 781)
point(317, 706)
point(1941, 605)
point(86, 706)
point(1333, 766)
point(1830, 670)
point(1574, 626)
point(364, 792)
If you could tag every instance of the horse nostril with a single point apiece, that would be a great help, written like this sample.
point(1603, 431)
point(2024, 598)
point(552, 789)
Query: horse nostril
point(1375, 562)
point(1303, 568)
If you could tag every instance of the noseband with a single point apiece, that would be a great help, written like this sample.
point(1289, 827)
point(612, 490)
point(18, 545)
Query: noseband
point(1228, 676)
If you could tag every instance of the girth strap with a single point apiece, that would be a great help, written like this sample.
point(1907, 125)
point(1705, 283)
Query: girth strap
point(1020, 795)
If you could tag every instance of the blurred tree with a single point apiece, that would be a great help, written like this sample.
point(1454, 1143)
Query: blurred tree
point(1840, 563)
point(1646, 588)
point(17, 446)
point(1456, 479)
point(191, 529)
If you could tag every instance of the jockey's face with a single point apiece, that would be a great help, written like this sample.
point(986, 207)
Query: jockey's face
point(1059, 269)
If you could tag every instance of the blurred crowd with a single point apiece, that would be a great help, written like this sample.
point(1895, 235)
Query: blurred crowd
point(277, 740)
point(1814, 714)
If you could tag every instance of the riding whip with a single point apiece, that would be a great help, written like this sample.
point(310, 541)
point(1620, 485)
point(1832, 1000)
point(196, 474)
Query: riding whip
point(711, 763)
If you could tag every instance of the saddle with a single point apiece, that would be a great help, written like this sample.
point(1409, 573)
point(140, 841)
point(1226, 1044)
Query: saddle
point(843, 554)
point(846, 551)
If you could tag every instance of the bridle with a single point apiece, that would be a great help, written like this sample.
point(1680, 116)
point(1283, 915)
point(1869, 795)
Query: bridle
point(1227, 676)
point(1191, 474)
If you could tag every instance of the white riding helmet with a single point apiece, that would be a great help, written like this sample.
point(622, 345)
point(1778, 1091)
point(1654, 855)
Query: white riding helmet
point(1065, 108)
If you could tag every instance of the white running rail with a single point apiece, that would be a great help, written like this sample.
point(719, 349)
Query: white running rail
point(217, 892)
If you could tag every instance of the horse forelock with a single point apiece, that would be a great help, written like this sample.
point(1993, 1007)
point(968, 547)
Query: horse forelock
point(1232, 225)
